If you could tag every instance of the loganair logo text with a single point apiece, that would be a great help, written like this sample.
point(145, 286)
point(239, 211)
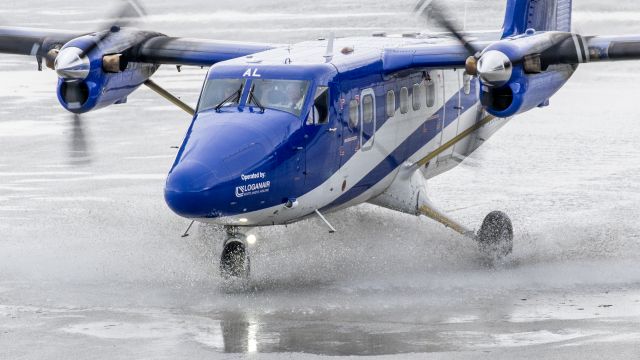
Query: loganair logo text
point(255, 176)
point(253, 189)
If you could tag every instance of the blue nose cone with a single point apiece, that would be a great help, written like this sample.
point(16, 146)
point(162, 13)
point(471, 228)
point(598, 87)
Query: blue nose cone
point(224, 155)
point(189, 188)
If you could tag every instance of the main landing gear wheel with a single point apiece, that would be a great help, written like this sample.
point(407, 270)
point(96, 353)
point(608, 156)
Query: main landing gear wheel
point(234, 262)
point(495, 237)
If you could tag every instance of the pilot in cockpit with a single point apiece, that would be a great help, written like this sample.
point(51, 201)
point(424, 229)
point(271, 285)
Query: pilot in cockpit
point(291, 97)
point(295, 96)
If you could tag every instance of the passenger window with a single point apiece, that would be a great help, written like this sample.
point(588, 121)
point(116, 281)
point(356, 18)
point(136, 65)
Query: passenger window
point(391, 103)
point(431, 93)
point(354, 111)
point(417, 95)
point(367, 109)
point(319, 113)
point(404, 100)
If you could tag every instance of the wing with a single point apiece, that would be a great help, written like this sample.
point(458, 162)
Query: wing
point(152, 48)
point(86, 62)
point(552, 48)
point(35, 42)
point(439, 56)
point(612, 48)
point(198, 52)
point(447, 54)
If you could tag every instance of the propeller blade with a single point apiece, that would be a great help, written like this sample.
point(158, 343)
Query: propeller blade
point(79, 151)
point(443, 19)
point(129, 12)
point(419, 5)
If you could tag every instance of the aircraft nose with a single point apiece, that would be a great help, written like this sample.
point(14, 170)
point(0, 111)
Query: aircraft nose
point(228, 163)
point(224, 156)
point(191, 176)
point(188, 187)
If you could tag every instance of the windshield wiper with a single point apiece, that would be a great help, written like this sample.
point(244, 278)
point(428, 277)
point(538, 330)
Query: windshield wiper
point(253, 98)
point(231, 97)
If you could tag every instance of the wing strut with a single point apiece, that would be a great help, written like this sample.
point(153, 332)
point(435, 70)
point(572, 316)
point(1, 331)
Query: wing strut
point(167, 95)
point(452, 142)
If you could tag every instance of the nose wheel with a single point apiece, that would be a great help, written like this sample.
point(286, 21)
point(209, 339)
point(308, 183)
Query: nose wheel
point(234, 261)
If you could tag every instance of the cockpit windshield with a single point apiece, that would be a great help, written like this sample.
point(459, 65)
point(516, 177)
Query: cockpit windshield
point(284, 95)
point(219, 93)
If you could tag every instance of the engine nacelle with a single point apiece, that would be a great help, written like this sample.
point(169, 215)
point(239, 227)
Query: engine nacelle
point(103, 77)
point(524, 92)
point(516, 77)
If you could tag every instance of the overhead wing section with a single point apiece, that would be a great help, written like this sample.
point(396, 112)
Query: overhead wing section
point(197, 52)
point(440, 56)
point(613, 48)
point(538, 52)
point(158, 49)
point(35, 42)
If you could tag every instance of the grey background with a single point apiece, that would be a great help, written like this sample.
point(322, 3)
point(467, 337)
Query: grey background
point(92, 264)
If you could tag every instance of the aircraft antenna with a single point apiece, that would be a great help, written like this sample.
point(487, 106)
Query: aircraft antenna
point(186, 233)
point(328, 56)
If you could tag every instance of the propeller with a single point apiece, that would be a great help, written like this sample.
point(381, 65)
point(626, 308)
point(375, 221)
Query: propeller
point(73, 63)
point(126, 14)
point(74, 93)
point(79, 149)
point(492, 67)
point(485, 66)
point(73, 66)
point(442, 18)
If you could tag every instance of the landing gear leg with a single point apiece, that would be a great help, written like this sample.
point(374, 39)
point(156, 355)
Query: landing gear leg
point(234, 261)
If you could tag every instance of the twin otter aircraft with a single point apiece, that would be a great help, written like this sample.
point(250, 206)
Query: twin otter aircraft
point(286, 132)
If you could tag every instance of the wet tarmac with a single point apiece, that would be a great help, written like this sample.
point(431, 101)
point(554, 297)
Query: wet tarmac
point(92, 264)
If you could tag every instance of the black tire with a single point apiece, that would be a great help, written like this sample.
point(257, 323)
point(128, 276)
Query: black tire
point(495, 237)
point(234, 261)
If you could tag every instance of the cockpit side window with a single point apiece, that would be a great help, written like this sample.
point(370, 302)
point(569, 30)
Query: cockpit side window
point(319, 113)
point(284, 95)
point(221, 93)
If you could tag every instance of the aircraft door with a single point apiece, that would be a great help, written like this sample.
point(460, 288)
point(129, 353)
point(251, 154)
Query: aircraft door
point(367, 119)
point(321, 135)
point(349, 123)
point(434, 87)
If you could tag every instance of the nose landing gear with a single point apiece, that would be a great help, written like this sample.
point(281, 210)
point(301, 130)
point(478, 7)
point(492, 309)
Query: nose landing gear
point(234, 261)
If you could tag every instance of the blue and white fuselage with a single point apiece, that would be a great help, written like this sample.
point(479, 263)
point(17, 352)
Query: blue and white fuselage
point(240, 165)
